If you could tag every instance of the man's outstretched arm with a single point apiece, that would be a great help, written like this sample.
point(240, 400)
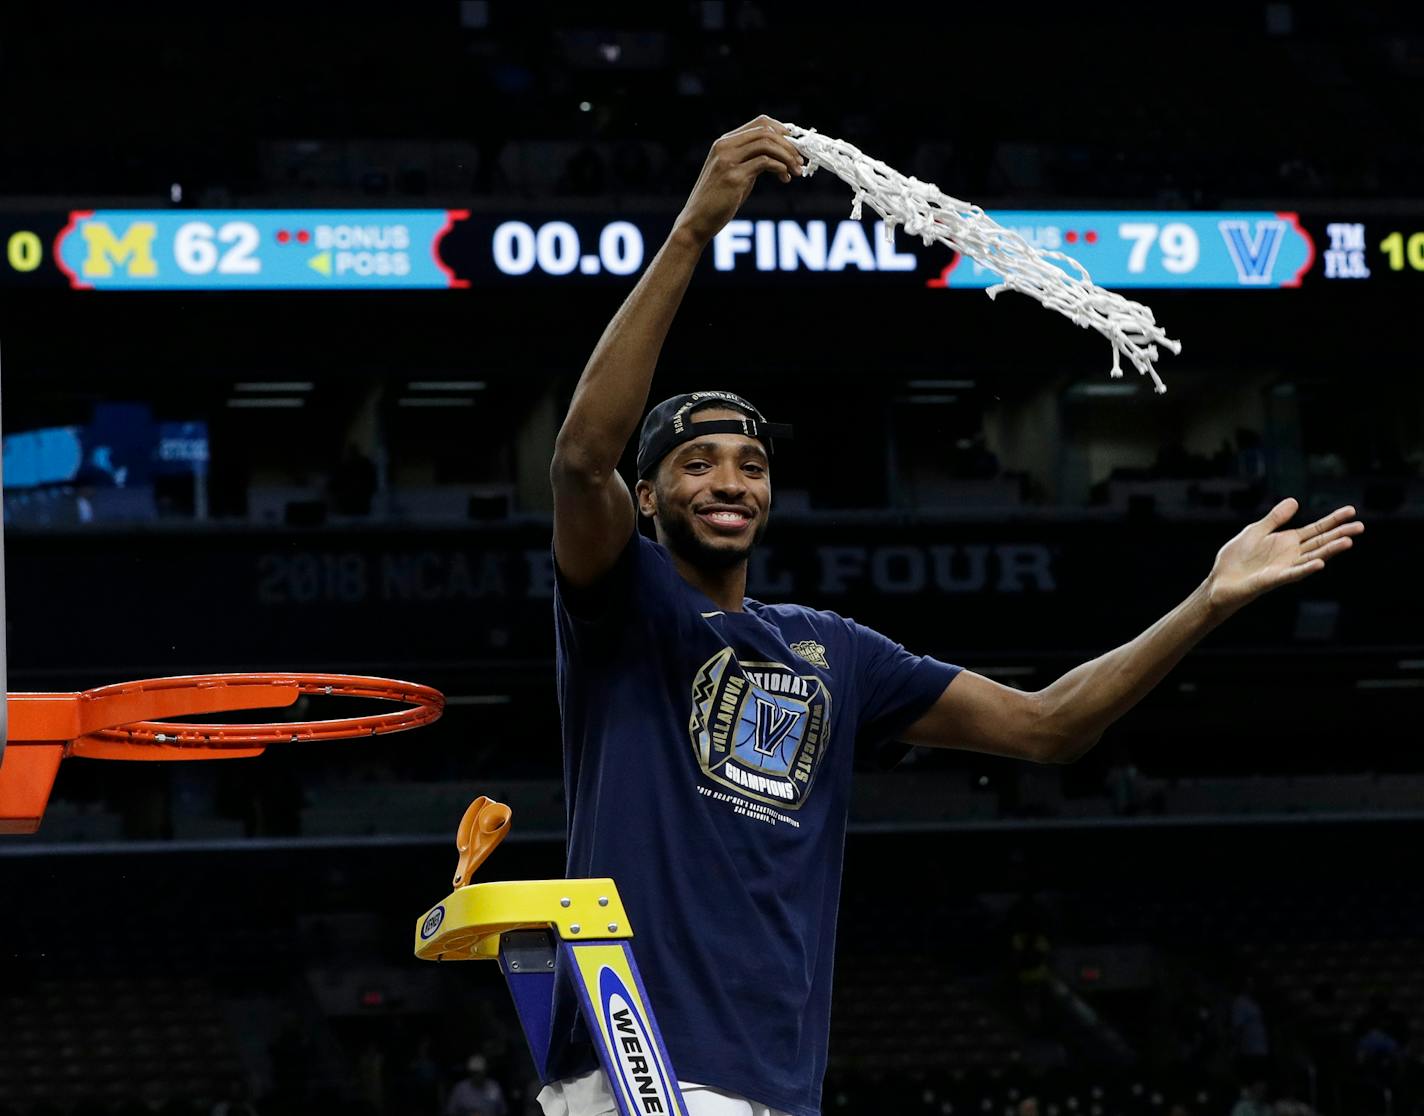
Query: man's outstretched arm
point(593, 512)
point(1062, 721)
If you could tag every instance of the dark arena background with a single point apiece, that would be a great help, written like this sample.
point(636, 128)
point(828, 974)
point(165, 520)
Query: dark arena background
point(292, 305)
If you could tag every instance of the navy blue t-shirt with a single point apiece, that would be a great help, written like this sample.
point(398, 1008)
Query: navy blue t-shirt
point(707, 760)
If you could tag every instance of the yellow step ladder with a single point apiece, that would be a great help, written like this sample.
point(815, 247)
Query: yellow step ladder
point(528, 926)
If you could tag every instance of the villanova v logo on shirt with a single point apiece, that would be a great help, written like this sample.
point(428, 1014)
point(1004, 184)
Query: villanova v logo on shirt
point(773, 725)
point(759, 728)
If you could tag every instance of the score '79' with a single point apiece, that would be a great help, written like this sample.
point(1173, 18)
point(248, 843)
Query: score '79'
point(1180, 247)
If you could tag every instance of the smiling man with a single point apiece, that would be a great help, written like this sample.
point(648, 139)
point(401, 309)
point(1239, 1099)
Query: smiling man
point(709, 738)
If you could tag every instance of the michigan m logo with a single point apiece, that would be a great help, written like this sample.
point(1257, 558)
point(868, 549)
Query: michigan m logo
point(133, 250)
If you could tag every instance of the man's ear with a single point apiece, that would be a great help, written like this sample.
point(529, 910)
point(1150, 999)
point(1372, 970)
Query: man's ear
point(647, 498)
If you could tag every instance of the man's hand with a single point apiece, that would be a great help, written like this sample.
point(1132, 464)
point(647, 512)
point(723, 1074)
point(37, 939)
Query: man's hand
point(731, 170)
point(1267, 554)
point(1062, 721)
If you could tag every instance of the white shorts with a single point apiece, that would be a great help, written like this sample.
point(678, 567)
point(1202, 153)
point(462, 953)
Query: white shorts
point(589, 1096)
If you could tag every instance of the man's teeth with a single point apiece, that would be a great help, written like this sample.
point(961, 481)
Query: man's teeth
point(727, 517)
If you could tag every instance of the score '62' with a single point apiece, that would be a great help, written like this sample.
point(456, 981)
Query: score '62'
point(554, 248)
point(196, 253)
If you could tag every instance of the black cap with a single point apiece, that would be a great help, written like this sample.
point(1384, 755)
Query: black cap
point(668, 425)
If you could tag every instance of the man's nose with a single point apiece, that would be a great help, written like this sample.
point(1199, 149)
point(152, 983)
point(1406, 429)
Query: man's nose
point(729, 479)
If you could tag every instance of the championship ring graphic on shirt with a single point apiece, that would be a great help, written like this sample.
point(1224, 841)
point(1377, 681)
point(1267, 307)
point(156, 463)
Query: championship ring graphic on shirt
point(759, 728)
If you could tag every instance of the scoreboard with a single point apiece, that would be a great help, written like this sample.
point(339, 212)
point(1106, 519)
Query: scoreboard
point(442, 249)
point(135, 249)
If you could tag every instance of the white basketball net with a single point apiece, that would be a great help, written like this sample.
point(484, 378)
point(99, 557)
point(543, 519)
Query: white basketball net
point(925, 211)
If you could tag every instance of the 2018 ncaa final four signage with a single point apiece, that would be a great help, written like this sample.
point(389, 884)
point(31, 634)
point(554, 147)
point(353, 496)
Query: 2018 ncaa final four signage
point(440, 249)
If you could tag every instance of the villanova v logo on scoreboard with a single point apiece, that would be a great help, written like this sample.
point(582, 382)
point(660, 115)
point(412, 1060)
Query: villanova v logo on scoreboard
point(759, 728)
point(1254, 254)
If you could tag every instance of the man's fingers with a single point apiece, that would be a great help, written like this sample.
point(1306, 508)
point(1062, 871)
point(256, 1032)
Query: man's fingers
point(1303, 569)
point(760, 122)
point(766, 141)
point(762, 136)
point(1328, 550)
point(1281, 514)
point(1344, 531)
point(767, 163)
point(768, 127)
point(1314, 560)
point(784, 157)
point(1321, 526)
point(754, 131)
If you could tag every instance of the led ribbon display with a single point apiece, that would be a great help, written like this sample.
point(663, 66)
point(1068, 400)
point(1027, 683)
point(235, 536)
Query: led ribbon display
point(255, 249)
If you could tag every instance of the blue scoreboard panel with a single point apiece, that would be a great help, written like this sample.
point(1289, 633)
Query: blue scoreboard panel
point(440, 249)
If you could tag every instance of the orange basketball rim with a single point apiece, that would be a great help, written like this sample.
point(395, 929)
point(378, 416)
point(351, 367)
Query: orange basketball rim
point(127, 721)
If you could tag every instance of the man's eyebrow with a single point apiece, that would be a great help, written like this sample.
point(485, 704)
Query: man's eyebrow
point(743, 450)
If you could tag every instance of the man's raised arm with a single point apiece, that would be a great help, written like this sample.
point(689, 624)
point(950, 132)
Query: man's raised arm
point(593, 511)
